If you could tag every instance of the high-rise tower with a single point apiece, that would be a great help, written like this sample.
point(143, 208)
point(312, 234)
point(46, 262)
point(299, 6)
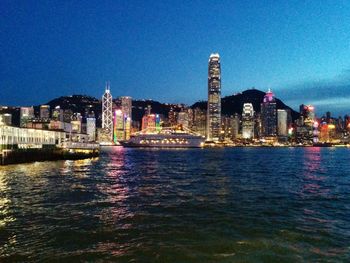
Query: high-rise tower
point(248, 121)
point(107, 114)
point(126, 105)
point(269, 115)
point(214, 98)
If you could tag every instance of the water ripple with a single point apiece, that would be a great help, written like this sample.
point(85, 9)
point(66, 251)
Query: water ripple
point(185, 205)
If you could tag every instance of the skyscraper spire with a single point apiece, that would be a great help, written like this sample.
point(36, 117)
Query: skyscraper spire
point(107, 114)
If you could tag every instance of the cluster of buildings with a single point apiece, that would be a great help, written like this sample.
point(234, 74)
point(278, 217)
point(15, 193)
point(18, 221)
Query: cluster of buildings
point(116, 118)
point(270, 125)
point(72, 125)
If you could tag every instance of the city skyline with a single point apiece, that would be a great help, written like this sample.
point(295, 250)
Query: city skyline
point(292, 49)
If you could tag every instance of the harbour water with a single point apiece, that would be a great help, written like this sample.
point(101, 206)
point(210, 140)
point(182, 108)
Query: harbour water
point(184, 205)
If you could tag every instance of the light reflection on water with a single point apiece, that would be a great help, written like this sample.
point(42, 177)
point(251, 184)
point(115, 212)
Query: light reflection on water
point(187, 205)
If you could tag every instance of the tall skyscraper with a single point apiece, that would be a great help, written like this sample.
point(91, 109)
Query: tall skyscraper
point(126, 106)
point(248, 121)
point(269, 115)
point(282, 123)
point(199, 121)
point(307, 115)
point(91, 128)
point(214, 98)
point(183, 119)
point(107, 114)
point(118, 133)
point(235, 126)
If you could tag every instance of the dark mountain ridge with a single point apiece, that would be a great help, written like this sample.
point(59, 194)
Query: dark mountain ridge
point(234, 103)
point(229, 104)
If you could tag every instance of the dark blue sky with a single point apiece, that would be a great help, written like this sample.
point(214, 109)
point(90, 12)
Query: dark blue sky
point(160, 49)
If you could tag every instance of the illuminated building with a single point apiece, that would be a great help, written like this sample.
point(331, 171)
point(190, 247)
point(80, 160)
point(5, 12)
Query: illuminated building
point(149, 122)
point(307, 115)
point(6, 119)
point(326, 132)
point(149, 109)
point(26, 114)
point(157, 121)
point(199, 121)
point(282, 123)
point(67, 115)
point(57, 114)
point(76, 126)
point(127, 127)
point(172, 117)
point(226, 127)
point(183, 119)
point(91, 128)
point(214, 98)
point(126, 106)
point(118, 121)
point(235, 126)
point(144, 123)
point(107, 114)
point(44, 111)
point(305, 125)
point(268, 115)
point(315, 132)
point(248, 121)
point(76, 123)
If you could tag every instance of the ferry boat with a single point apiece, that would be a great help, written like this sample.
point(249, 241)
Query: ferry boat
point(165, 138)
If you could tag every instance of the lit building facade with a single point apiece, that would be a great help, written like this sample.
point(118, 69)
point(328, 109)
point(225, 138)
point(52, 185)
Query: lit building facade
point(183, 119)
point(282, 123)
point(248, 122)
point(44, 111)
point(26, 114)
point(126, 106)
point(235, 123)
point(157, 122)
point(107, 114)
point(172, 117)
point(57, 114)
point(214, 98)
point(226, 127)
point(118, 126)
point(127, 127)
point(6, 119)
point(91, 128)
point(305, 125)
point(269, 115)
point(199, 121)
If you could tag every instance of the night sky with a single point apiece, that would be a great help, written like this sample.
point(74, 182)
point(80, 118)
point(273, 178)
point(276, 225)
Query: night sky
point(160, 49)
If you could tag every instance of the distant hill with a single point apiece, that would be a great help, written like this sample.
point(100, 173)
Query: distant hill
point(234, 103)
point(82, 103)
point(229, 105)
point(139, 106)
point(76, 103)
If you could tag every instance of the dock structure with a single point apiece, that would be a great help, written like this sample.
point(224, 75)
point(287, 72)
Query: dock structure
point(19, 145)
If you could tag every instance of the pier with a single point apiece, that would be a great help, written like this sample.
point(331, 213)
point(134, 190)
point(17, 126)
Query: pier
point(21, 145)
